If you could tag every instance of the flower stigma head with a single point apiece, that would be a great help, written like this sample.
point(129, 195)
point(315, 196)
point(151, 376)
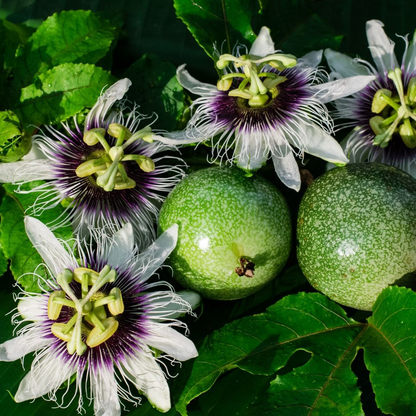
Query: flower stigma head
point(396, 113)
point(93, 317)
point(106, 164)
point(257, 84)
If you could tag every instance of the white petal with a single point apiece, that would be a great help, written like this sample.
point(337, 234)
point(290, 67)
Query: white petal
point(410, 57)
point(250, 152)
point(381, 47)
point(155, 255)
point(343, 65)
point(104, 391)
point(33, 308)
point(47, 245)
point(147, 376)
point(191, 84)
point(287, 170)
point(25, 171)
point(313, 58)
point(35, 153)
point(170, 341)
point(340, 88)
point(181, 137)
point(322, 145)
point(46, 375)
point(24, 344)
point(193, 298)
point(184, 302)
point(263, 45)
point(122, 248)
point(116, 92)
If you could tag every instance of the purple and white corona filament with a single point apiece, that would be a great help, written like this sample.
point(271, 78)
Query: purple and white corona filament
point(383, 113)
point(101, 320)
point(267, 104)
point(109, 172)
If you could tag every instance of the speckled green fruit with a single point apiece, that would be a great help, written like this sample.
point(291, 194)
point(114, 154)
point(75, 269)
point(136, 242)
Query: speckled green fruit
point(356, 232)
point(224, 216)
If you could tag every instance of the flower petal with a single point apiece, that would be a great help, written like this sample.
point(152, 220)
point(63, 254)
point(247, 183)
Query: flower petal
point(147, 376)
point(25, 171)
point(170, 341)
point(313, 58)
point(340, 88)
point(188, 136)
point(322, 145)
point(98, 113)
point(263, 45)
point(191, 84)
point(24, 344)
point(122, 248)
point(33, 308)
point(46, 376)
point(287, 170)
point(250, 152)
point(381, 47)
point(180, 304)
point(343, 66)
point(104, 391)
point(409, 59)
point(47, 245)
point(155, 255)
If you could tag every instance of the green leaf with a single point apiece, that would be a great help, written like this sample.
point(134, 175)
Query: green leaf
point(390, 351)
point(69, 36)
point(62, 92)
point(156, 89)
point(16, 246)
point(14, 143)
point(220, 22)
point(262, 344)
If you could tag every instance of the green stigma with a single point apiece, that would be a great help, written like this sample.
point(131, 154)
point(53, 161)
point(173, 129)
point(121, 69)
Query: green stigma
point(396, 113)
point(105, 167)
point(93, 321)
point(258, 87)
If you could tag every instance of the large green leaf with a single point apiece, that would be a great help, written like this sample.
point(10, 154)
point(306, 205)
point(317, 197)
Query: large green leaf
point(69, 36)
point(325, 384)
point(62, 92)
point(156, 89)
point(16, 245)
point(219, 22)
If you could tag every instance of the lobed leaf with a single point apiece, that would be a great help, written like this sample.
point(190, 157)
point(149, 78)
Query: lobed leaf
point(62, 92)
point(223, 23)
point(69, 36)
point(24, 259)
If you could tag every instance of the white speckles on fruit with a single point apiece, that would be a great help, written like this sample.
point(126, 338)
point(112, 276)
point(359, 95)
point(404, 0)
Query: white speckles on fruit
point(357, 232)
point(224, 216)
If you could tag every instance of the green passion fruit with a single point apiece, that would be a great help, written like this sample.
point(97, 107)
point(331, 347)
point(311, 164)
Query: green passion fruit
point(234, 232)
point(356, 232)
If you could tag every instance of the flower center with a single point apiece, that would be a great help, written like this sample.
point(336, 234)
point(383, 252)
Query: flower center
point(106, 168)
point(94, 313)
point(258, 87)
point(397, 113)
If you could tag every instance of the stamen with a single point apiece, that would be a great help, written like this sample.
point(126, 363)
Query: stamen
point(97, 337)
point(117, 306)
point(54, 309)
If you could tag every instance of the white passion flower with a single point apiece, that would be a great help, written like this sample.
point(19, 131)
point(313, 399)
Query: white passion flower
point(109, 172)
point(267, 104)
point(102, 320)
point(383, 113)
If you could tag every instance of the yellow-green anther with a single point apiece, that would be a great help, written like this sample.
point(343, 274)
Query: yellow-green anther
point(54, 309)
point(411, 90)
point(119, 131)
point(90, 167)
point(241, 94)
point(148, 138)
point(93, 136)
point(273, 82)
point(117, 306)
point(407, 134)
point(119, 183)
point(258, 100)
point(96, 321)
point(225, 59)
point(145, 163)
point(97, 337)
point(224, 84)
point(379, 102)
point(140, 134)
point(79, 273)
point(280, 60)
point(56, 330)
point(70, 324)
point(376, 125)
point(104, 301)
